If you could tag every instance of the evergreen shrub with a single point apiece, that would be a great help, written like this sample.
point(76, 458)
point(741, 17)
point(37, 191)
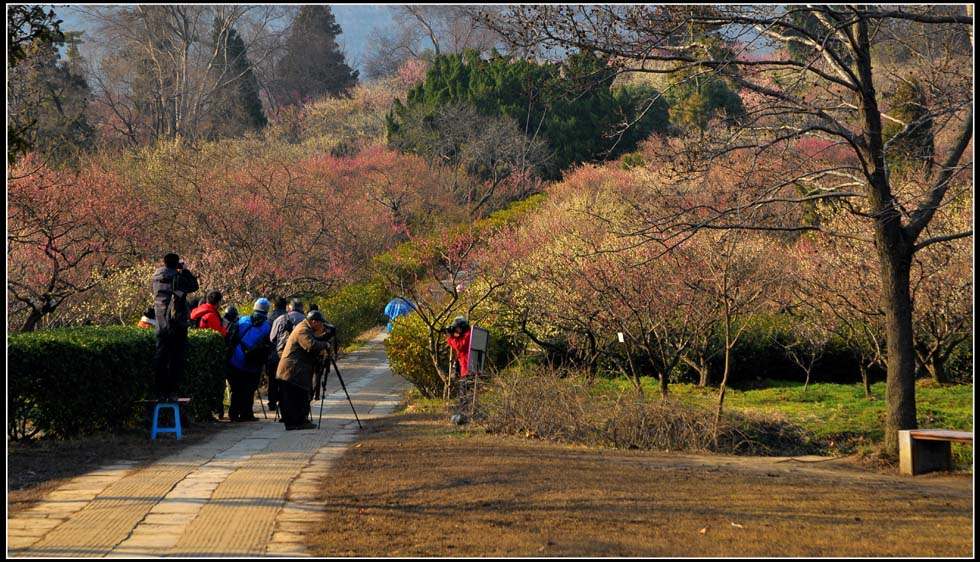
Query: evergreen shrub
point(72, 381)
point(355, 309)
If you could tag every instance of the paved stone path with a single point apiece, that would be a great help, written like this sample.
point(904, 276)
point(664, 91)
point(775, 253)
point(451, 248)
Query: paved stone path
point(248, 491)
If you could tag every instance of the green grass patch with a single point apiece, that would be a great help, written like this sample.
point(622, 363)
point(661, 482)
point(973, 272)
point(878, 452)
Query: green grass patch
point(838, 415)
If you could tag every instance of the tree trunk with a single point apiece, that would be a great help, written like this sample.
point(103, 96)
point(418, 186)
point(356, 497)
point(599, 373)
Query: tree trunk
point(935, 364)
point(895, 255)
point(721, 393)
point(866, 380)
point(32, 320)
point(895, 249)
point(729, 344)
point(634, 375)
point(444, 376)
point(701, 366)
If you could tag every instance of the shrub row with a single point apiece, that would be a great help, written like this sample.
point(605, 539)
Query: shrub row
point(546, 405)
point(72, 381)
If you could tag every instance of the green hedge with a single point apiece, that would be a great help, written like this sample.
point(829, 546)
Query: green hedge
point(72, 381)
point(408, 354)
point(355, 309)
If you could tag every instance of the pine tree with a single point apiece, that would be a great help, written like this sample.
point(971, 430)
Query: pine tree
point(48, 102)
point(314, 65)
point(237, 107)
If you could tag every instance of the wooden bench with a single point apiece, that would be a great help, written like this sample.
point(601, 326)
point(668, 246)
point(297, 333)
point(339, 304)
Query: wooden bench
point(926, 450)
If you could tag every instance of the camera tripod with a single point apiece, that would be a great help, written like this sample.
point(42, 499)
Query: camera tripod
point(323, 388)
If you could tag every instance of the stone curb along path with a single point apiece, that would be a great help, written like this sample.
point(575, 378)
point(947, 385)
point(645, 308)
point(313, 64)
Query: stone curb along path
point(248, 491)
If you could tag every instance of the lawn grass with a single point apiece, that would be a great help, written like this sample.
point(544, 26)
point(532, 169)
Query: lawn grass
point(837, 414)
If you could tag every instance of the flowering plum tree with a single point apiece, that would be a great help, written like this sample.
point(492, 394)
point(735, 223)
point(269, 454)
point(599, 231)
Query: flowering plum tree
point(65, 231)
point(802, 72)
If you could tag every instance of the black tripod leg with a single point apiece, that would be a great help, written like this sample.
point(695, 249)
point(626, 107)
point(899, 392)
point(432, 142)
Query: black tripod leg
point(342, 385)
point(323, 390)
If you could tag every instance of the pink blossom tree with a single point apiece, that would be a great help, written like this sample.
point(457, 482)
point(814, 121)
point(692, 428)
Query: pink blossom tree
point(66, 231)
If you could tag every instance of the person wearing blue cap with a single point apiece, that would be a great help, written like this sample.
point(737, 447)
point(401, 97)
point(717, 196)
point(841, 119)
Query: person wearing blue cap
point(250, 350)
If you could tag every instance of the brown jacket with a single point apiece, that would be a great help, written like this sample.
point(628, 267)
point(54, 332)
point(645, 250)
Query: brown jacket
point(299, 358)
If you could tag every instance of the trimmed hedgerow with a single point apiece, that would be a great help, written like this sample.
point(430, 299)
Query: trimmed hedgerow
point(72, 381)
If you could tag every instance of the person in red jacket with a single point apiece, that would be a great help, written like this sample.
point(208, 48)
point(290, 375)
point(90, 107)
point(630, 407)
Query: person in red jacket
point(208, 313)
point(458, 338)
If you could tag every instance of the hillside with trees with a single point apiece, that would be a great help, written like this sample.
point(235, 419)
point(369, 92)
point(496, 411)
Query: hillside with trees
point(715, 195)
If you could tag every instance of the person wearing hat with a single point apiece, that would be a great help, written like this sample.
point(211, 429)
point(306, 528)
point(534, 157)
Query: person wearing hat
point(308, 341)
point(250, 350)
point(149, 319)
point(458, 338)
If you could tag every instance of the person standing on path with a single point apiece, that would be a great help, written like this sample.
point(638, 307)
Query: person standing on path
point(281, 328)
point(171, 284)
point(309, 340)
point(244, 369)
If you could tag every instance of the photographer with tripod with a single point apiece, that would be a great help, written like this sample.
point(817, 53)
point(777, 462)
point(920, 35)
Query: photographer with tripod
point(310, 339)
point(458, 338)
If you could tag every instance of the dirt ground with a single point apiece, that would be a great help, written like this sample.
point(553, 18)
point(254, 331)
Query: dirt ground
point(414, 485)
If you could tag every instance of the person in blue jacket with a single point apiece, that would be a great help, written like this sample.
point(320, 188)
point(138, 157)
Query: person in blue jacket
point(248, 356)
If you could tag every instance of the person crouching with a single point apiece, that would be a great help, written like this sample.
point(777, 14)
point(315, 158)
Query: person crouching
point(308, 340)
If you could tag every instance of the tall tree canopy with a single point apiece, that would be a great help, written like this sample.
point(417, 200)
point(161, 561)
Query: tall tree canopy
point(571, 107)
point(160, 70)
point(314, 65)
point(32, 60)
point(236, 106)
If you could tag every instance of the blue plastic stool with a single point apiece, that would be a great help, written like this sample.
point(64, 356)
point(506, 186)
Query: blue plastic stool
point(156, 418)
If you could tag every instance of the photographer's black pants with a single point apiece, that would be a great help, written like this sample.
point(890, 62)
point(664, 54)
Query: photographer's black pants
point(465, 394)
point(294, 403)
point(243, 386)
point(171, 354)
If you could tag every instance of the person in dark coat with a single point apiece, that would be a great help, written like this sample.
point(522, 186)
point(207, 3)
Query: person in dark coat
point(281, 328)
point(304, 352)
point(171, 285)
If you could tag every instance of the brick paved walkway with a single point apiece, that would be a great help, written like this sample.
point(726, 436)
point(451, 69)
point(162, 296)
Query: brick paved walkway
point(248, 491)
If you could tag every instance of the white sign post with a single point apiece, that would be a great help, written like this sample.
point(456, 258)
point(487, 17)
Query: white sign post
point(479, 340)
